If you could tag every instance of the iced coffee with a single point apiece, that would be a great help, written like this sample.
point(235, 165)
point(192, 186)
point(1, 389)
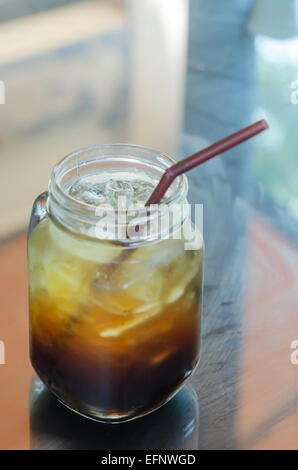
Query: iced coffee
point(114, 323)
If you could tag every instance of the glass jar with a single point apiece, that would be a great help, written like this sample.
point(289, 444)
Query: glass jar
point(114, 320)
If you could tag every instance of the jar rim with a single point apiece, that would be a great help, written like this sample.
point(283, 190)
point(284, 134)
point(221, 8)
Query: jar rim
point(60, 199)
point(183, 183)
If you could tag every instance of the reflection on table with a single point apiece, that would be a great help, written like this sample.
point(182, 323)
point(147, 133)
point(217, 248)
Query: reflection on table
point(52, 426)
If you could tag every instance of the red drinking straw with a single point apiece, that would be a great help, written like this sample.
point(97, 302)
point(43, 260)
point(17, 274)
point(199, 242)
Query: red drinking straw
point(200, 157)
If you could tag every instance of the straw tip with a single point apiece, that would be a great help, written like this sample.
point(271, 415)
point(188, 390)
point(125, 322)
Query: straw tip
point(264, 124)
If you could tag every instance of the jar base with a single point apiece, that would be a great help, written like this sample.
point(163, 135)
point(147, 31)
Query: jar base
point(118, 419)
point(95, 414)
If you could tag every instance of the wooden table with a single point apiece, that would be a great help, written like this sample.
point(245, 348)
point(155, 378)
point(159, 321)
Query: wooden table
point(245, 391)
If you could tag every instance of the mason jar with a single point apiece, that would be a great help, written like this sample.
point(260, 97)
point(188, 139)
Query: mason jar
point(115, 305)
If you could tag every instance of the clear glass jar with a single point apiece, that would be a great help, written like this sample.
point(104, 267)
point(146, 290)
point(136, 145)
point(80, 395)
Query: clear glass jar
point(114, 322)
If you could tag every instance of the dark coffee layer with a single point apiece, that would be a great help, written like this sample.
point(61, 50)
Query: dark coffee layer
point(114, 387)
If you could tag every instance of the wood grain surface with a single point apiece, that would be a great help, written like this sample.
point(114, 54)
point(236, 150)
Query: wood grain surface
point(244, 393)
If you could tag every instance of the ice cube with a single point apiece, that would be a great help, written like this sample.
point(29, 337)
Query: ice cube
point(145, 307)
point(114, 300)
point(143, 283)
point(160, 253)
point(137, 320)
point(107, 188)
point(94, 199)
point(175, 294)
point(67, 284)
point(180, 276)
point(96, 251)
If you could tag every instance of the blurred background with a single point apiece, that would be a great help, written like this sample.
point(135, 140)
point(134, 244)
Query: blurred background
point(78, 73)
point(172, 75)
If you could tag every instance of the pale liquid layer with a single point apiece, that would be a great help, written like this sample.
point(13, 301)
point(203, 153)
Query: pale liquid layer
point(75, 274)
